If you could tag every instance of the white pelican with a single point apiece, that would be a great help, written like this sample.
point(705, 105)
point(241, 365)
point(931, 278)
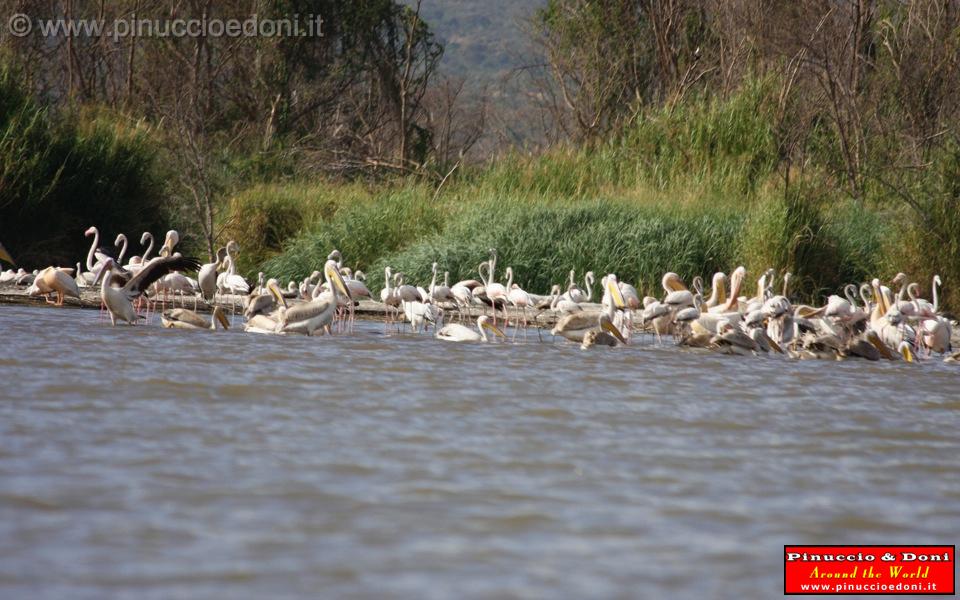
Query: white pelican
point(454, 332)
point(308, 317)
point(889, 324)
point(256, 319)
point(718, 291)
point(230, 281)
point(119, 301)
point(56, 281)
point(732, 340)
point(207, 277)
point(170, 242)
point(598, 337)
point(678, 296)
point(182, 318)
point(574, 326)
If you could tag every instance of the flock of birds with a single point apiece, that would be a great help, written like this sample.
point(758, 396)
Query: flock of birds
point(871, 321)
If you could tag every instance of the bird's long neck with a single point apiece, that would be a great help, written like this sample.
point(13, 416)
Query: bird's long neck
point(123, 251)
point(849, 296)
point(146, 254)
point(483, 334)
point(509, 278)
point(105, 284)
point(588, 283)
point(93, 248)
point(936, 294)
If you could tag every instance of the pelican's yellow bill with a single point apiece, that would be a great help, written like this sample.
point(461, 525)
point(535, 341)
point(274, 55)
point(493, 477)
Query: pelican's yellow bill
point(333, 273)
point(612, 330)
point(615, 294)
point(496, 330)
point(4, 255)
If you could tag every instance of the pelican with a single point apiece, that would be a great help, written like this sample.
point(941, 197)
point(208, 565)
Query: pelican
point(575, 326)
point(732, 340)
point(56, 281)
point(170, 242)
point(318, 313)
point(207, 277)
point(596, 337)
point(119, 301)
point(888, 321)
point(182, 318)
point(230, 280)
point(718, 291)
point(257, 321)
point(454, 332)
point(263, 302)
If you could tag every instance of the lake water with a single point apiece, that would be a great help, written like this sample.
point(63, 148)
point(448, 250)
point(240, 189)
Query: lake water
point(138, 462)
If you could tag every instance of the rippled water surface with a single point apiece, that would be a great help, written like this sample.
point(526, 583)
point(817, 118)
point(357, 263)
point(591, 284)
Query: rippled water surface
point(138, 462)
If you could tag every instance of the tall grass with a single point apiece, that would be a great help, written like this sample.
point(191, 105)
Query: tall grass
point(62, 172)
point(363, 231)
point(692, 190)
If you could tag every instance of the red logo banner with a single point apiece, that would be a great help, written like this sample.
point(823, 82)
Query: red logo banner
point(869, 570)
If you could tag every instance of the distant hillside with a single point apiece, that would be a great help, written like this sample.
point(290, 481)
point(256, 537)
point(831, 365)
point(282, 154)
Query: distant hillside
point(482, 40)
